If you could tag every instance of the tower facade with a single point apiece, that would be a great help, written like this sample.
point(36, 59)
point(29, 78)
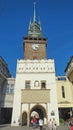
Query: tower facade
point(35, 85)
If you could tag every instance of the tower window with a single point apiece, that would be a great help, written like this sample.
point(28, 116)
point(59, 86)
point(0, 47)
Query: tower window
point(36, 83)
point(43, 84)
point(63, 92)
point(27, 84)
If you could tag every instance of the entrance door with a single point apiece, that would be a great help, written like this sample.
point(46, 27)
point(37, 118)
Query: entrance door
point(24, 118)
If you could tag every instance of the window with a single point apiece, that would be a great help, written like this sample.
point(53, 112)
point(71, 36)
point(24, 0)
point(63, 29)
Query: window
point(27, 84)
point(43, 84)
point(12, 88)
point(63, 92)
point(36, 83)
point(61, 78)
point(8, 89)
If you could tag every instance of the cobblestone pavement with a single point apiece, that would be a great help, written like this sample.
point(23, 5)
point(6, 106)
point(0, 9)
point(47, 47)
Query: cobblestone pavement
point(8, 127)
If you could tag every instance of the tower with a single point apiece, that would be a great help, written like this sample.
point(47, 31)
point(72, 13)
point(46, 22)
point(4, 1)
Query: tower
point(34, 42)
point(35, 85)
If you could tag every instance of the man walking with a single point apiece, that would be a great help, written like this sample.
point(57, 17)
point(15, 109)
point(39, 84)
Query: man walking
point(41, 123)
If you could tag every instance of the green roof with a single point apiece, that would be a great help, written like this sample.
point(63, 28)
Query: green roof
point(35, 28)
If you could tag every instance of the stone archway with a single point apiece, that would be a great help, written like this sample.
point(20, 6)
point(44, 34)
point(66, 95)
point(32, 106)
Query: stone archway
point(24, 118)
point(41, 112)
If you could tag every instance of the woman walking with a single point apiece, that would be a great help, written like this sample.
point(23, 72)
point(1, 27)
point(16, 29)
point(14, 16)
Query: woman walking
point(50, 125)
point(41, 123)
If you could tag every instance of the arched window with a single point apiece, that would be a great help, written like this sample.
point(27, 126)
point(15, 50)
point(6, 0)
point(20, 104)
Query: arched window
point(63, 92)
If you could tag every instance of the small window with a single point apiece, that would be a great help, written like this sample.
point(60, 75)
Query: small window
point(7, 89)
point(36, 83)
point(43, 84)
point(12, 88)
point(63, 92)
point(27, 84)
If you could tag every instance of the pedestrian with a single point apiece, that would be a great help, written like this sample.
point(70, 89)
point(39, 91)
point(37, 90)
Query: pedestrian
point(71, 124)
point(50, 124)
point(41, 123)
point(54, 124)
point(33, 122)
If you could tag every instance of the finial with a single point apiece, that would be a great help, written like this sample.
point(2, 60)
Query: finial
point(29, 23)
point(39, 23)
point(34, 18)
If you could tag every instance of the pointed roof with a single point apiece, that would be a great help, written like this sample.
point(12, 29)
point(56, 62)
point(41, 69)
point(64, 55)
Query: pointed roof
point(35, 29)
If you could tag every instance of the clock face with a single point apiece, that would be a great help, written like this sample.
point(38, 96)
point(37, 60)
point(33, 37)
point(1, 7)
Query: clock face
point(35, 47)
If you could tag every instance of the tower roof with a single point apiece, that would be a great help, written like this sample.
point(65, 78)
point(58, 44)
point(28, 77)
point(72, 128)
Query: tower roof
point(35, 27)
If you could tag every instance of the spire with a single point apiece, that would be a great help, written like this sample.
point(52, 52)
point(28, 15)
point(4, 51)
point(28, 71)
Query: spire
point(34, 18)
point(35, 29)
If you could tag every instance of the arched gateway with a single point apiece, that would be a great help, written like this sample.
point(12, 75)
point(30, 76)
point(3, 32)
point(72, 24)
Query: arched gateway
point(39, 109)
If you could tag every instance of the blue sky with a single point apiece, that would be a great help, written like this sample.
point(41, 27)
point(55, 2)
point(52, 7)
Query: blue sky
point(56, 18)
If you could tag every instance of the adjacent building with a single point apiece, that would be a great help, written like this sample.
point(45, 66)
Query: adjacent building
point(69, 70)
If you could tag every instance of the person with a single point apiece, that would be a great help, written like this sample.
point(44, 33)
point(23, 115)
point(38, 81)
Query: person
point(70, 114)
point(41, 123)
point(54, 124)
point(71, 124)
point(33, 122)
point(50, 124)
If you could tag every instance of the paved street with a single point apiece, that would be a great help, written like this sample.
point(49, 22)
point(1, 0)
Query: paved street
point(8, 127)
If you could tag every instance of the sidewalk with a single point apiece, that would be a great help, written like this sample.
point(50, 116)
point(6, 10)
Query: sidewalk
point(8, 127)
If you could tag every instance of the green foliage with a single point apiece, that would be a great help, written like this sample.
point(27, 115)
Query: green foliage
point(61, 121)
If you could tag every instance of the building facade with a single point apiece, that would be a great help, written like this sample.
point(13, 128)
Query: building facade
point(35, 86)
point(36, 91)
point(69, 70)
point(64, 97)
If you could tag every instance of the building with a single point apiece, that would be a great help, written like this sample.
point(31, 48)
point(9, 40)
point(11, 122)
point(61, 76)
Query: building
point(35, 85)
point(6, 100)
point(4, 71)
point(64, 97)
point(36, 90)
point(4, 74)
point(69, 70)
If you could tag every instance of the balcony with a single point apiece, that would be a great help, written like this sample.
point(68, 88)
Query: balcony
point(35, 96)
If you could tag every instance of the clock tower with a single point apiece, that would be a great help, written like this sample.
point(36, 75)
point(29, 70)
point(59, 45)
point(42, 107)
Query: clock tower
point(34, 42)
point(35, 86)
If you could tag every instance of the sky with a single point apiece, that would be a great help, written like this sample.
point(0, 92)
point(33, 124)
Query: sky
point(56, 18)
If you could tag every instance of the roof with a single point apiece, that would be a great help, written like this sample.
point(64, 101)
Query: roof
point(71, 58)
point(35, 29)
